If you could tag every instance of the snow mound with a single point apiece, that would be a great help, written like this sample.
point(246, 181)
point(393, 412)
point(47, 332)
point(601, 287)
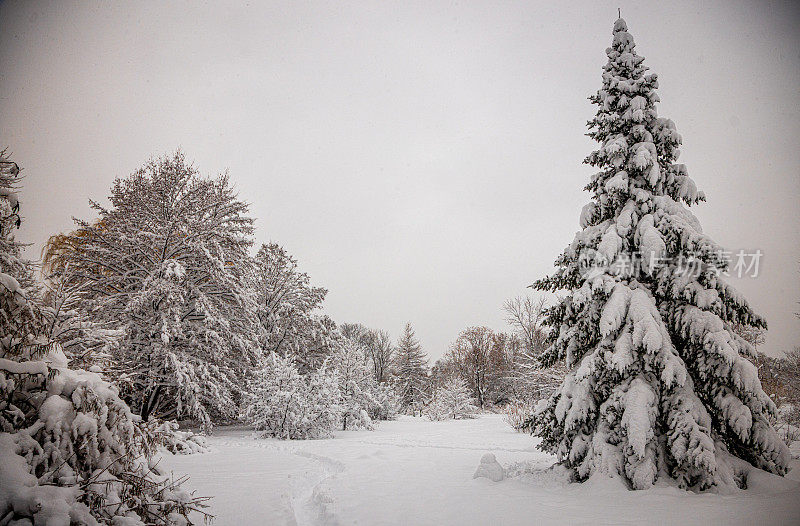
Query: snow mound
point(762, 482)
point(537, 473)
point(490, 468)
point(794, 449)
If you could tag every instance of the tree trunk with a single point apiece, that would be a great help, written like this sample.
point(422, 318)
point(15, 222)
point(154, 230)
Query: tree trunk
point(150, 402)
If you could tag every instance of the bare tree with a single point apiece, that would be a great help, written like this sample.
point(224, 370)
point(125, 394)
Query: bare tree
point(376, 345)
point(471, 354)
point(526, 316)
point(381, 352)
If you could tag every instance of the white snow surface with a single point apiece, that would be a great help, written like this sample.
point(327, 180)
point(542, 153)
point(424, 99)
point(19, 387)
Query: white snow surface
point(416, 472)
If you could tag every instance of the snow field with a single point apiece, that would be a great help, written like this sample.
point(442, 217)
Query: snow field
point(416, 472)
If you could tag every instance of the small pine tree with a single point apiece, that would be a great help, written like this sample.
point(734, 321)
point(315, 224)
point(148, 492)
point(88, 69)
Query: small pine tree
point(659, 382)
point(411, 370)
point(451, 400)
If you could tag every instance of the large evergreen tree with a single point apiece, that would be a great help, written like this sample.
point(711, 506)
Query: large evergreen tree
point(411, 370)
point(659, 383)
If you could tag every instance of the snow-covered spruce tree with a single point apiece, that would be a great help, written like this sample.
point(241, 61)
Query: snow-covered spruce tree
point(659, 385)
point(71, 452)
point(167, 263)
point(287, 310)
point(410, 371)
point(451, 400)
point(287, 405)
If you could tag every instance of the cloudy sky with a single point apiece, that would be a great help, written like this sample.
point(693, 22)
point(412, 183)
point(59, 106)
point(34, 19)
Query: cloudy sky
point(422, 160)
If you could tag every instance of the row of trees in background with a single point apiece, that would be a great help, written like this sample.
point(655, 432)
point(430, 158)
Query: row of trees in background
point(502, 367)
point(161, 294)
point(483, 367)
point(780, 379)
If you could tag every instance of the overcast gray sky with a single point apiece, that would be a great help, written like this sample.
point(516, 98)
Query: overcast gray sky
point(422, 160)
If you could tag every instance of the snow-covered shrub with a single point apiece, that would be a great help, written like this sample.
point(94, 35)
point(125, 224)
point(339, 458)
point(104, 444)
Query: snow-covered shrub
point(386, 404)
point(71, 455)
point(167, 435)
point(451, 400)
point(518, 414)
point(356, 399)
point(354, 416)
point(788, 422)
point(287, 405)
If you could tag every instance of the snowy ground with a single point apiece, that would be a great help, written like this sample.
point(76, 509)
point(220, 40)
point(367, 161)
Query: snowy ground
point(413, 471)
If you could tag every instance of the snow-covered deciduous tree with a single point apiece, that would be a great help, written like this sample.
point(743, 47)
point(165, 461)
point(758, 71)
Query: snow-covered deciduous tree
point(287, 309)
point(526, 317)
point(386, 402)
point(363, 398)
point(451, 400)
point(167, 262)
point(659, 383)
point(86, 342)
point(377, 346)
point(381, 353)
point(356, 386)
point(71, 452)
point(410, 371)
point(532, 381)
point(287, 405)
